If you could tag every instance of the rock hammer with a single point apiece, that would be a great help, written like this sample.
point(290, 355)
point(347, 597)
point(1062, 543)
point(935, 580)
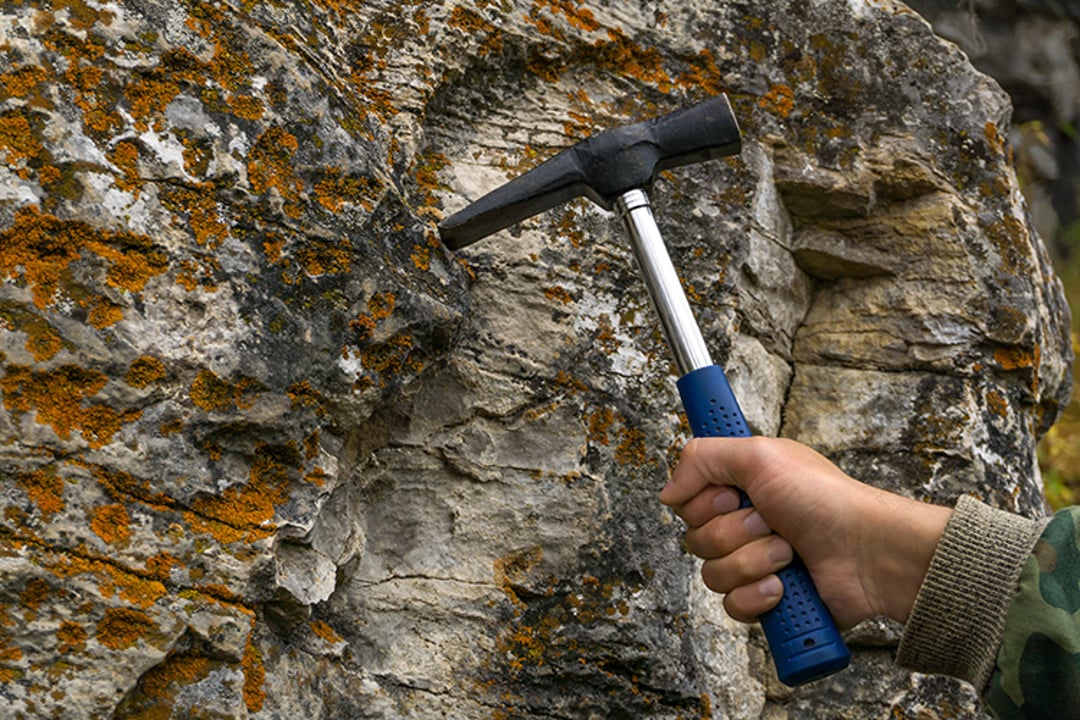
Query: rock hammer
point(616, 169)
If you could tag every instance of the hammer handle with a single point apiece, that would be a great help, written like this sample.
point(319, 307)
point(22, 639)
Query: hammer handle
point(805, 642)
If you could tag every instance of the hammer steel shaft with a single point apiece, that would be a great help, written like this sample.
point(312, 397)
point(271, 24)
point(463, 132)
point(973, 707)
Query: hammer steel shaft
point(662, 282)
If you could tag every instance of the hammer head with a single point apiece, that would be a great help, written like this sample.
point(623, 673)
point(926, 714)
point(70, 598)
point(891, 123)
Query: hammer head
point(601, 168)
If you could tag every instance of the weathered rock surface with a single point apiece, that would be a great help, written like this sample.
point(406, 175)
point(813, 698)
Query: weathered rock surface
point(270, 451)
point(1030, 47)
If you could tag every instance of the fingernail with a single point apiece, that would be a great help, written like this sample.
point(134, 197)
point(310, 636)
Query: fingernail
point(725, 502)
point(755, 524)
point(780, 551)
point(771, 587)
point(669, 486)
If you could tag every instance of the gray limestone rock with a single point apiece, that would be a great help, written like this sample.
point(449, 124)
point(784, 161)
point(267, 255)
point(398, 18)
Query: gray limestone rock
point(271, 451)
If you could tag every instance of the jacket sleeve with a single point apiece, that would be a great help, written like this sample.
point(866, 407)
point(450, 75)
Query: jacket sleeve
point(956, 625)
point(1037, 673)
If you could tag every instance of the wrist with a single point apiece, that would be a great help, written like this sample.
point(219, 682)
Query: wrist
point(904, 535)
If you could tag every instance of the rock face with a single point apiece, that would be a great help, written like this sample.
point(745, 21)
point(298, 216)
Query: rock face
point(270, 451)
point(1030, 47)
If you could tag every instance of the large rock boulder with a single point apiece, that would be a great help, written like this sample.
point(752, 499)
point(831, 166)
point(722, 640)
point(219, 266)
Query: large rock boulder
point(271, 451)
point(1030, 47)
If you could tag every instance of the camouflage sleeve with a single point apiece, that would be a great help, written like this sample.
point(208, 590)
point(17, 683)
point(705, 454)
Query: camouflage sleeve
point(1037, 674)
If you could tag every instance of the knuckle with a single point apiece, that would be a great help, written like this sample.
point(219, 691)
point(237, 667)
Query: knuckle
point(761, 450)
point(708, 541)
point(714, 578)
point(735, 610)
point(745, 564)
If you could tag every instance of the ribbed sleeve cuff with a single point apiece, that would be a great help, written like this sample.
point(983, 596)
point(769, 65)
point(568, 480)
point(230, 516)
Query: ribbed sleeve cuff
point(956, 624)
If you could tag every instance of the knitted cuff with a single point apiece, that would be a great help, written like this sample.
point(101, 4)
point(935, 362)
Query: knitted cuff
point(956, 624)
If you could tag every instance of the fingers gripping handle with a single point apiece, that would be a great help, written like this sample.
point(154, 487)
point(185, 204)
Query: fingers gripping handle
point(805, 642)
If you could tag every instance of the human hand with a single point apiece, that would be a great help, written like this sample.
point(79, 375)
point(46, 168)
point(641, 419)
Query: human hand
point(868, 550)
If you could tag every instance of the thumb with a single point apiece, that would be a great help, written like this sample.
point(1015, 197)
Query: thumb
point(709, 461)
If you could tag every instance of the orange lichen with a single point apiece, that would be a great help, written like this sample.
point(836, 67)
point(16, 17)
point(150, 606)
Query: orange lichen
point(421, 254)
point(576, 15)
point(426, 175)
point(121, 628)
point(537, 637)
point(18, 140)
point(511, 569)
point(997, 404)
point(171, 427)
point(311, 445)
point(40, 248)
point(195, 208)
point(273, 249)
point(82, 16)
point(161, 682)
point(247, 107)
point(194, 274)
point(994, 138)
point(780, 101)
point(125, 156)
point(302, 395)
point(421, 257)
point(104, 313)
point(160, 566)
point(9, 653)
point(197, 155)
point(57, 398)
point(605, 335)
point(254, 675)
point(270, 165)
point(703, 75)
point(45, 489)
point(143, 371)
point(231, 66)
point(391, 356)
point(380, 307)
point(121, 486)
point(336, 189)
point(71, 636)
point(1016, 358)
point(22, 81)
point(470, 22)
point(100, 117)
point(323, 257)
point(629, 59)
point(569, 383)
point(324, 631)
point(600, 422)
point(631, 447)
point(558, 294)
point(112, 579)
point(317, 477)
point(32, 596)
point(112, 524)
point(43, 341)
point(245, 512)
point(148, 95)
point(212, 394)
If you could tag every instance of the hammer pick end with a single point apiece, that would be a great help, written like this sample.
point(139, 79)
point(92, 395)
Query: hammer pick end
point(602, 168)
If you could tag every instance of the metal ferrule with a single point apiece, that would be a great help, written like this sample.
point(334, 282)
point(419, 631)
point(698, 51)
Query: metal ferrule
point(662, 282)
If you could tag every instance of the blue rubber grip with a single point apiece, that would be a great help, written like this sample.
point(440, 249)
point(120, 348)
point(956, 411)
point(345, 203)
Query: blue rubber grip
point(805, 642)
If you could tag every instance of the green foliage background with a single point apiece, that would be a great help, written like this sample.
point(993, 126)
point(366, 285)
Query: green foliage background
point(1059, 452)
